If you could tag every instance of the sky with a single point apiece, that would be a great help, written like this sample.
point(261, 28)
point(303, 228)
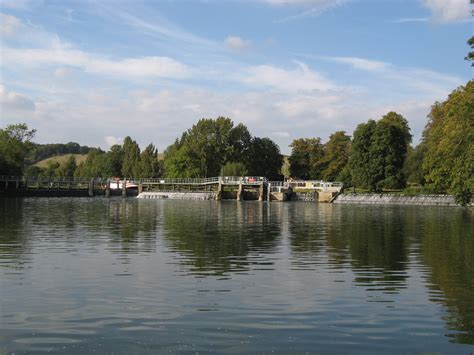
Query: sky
point(94, 72)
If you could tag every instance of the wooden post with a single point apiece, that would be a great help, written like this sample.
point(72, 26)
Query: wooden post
point(91, 188)
point(140, 187)
point(260, 192)
point(107, 189)
point(269, 185)
point(124, 188)
point(239, 192)
point(219, 192)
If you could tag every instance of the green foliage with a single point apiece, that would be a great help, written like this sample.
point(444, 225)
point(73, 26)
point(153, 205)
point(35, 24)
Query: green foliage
point(470, 55)
point(68, 168)
point(131, 158)
point(265, 159)
point(40, 152)
point(212, 143)
point(305, 158)
point(379, 151)
point(449, 137)
point(51, 169)
point(234, 169)
point(113, 161)
point(412, 168)
point(336, 158)
point(15, 141)
point(360, 159)
point(149, 164)
point(93, 165)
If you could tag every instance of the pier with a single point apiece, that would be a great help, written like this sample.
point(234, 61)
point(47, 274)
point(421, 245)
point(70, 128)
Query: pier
point(217, 188)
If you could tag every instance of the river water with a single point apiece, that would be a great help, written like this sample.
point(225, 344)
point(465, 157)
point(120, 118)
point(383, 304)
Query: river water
point(126, 276)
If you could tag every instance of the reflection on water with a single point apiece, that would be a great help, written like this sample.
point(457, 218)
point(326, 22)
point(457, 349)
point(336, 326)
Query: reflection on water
point(133, 276)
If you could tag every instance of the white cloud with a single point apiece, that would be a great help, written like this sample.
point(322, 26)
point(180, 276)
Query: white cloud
point(64, 55)
point(444, 11)
point(411, 19)
point(299, 79)
point(111, 140)
point(362, 63)
point(423, 82)
point(9, 25)
point(237, 43)
point(13, 101)
point(312, 7)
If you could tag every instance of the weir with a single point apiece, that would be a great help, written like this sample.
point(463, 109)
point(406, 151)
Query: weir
point(239, 188)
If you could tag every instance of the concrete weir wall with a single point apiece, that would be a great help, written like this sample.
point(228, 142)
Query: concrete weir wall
point(178, 195)
point(381, 199)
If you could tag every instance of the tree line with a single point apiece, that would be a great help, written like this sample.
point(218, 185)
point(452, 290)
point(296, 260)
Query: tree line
point(378, 157)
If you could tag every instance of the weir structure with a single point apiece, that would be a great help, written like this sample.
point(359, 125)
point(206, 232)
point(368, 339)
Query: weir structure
point(218, 188)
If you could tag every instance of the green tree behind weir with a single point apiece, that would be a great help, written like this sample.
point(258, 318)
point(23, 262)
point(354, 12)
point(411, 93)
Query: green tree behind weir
point(131, 158)
point(205, 148)
point(449, 137)
point(378, 153)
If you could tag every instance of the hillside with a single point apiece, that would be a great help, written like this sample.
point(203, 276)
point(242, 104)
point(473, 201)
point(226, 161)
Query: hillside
point(61, 159)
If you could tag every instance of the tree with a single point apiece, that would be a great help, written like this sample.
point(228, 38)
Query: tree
point(15, 141)
point(305, 158)
point(131, 158)
point(234, 169)
point(207, 146)
point(378, 153)
point(93, 166)
point(470, 55)
point(68, 168)
point(265, 159)
point(413, 167)
point(149, 165)
point(336, 158)
point(449, 137)
point(360, 159)
point(113, 160)
point(388, 151)
point(51, 170)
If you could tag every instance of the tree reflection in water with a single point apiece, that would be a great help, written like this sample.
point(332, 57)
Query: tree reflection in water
point(221, 237)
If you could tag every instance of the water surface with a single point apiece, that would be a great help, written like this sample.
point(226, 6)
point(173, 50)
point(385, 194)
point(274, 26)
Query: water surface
point(134, 276)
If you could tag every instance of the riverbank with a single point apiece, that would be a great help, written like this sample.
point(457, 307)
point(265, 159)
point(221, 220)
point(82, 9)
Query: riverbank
point(393, 199)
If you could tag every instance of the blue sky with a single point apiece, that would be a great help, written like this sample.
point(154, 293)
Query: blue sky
point(96, 71)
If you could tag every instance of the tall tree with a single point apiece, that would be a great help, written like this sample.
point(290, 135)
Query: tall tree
point(305, 158)
point(206, 147)
point(360, 159)
point(449, 137)
point(388, 149)
point(336, 158)
point(131, 158)
point(113, 161)
point(149, 165)
point(265, 159)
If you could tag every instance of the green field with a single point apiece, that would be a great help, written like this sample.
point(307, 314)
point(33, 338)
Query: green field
point(61, 159)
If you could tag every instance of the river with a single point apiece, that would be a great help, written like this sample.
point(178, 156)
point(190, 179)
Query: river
point(124, 276)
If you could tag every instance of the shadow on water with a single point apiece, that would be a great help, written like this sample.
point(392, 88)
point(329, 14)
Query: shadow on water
point(221, 237)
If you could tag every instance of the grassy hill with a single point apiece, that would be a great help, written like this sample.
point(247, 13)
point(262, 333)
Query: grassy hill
point(61, 159)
